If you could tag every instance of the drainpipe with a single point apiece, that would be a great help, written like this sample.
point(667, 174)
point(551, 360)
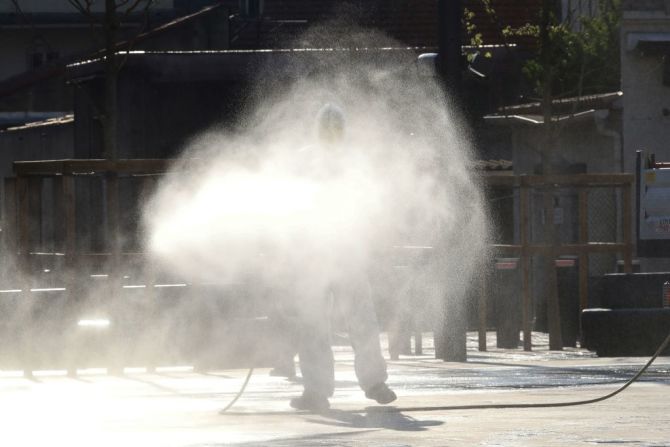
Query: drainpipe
point(600, 117)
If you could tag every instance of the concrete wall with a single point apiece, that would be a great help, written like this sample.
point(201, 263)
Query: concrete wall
point(578, 144)
point(646, 121)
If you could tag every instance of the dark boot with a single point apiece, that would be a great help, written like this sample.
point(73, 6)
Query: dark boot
point(381, 393)
point(311, 401)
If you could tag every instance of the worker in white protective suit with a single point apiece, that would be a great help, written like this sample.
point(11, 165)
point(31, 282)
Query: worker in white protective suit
point(350, 292)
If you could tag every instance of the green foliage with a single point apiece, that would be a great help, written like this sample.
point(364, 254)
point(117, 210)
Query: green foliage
point(579, 58)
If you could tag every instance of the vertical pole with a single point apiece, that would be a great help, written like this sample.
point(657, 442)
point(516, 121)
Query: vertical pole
point(450, 14)
point(23, 224)
point(69, 241)
point(453, 333)
point(524, 204)
point(418, 342)
point(150, 292)
point(551, 279)
point(583, 255)
point(483, 296)
point(148, 185)
point(67, 191)
point(70, 247)
point(112, 188)
point(9, 214)
point(627, 227)
point(451, 345)
point(113, 266)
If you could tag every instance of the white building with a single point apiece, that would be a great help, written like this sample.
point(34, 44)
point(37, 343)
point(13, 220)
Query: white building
point(645, 72)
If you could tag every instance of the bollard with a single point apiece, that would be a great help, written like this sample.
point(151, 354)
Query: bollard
point(507, 302)
point(567, 268)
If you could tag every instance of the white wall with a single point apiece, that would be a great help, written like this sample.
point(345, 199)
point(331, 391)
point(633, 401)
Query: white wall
point(645, 97)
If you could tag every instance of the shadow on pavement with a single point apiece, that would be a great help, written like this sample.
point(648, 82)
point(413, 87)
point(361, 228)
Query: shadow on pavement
point(337, 439)
point(386, 419)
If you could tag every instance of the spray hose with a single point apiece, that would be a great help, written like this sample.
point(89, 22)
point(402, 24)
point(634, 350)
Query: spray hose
point(633, 379)
point(536, 405)
point(240, 392)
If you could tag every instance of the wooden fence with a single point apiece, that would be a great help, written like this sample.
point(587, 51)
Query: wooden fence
point(551, 248)
point(23, 190)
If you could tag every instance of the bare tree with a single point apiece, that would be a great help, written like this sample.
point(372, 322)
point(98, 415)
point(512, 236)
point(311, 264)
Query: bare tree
point(109, 24)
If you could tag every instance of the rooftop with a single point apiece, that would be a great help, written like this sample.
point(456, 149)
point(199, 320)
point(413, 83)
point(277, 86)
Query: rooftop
point(574, 109)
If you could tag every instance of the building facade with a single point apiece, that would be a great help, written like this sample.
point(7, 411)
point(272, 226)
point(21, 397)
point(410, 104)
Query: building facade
point(645, 73)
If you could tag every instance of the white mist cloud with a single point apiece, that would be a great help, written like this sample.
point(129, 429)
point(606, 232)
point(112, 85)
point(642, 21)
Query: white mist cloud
point(272, 201)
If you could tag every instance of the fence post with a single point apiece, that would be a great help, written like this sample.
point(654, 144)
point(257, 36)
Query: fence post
point(23, 224)
point(482, 311)
point(524, 203)
point(627, 227)
point(9, 215)
point(553, 311)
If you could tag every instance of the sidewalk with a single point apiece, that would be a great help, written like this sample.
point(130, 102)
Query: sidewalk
point(180, 407)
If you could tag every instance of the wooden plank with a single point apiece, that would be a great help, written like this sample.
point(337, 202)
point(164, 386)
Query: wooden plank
point(9, 216)
point(113, 236)
point(23, 223)
point(92, 166)
point(565, 249)
point(501, 180)
point(526, 318)
point(482, 313)
point(583, 180)
point(551, 279)
point(69, 217)
point(578, 180)
point(627, 192)
point(583, 256)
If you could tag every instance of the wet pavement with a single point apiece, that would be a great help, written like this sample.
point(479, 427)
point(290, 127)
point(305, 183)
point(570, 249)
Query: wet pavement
point(181, 407)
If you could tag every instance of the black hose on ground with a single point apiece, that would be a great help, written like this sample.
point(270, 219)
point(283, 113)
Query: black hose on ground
point(240, 392)
point(658, 352)
point(632, 380)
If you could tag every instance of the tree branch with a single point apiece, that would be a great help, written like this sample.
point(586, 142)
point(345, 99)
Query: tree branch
point(29, 22)
point(134, 6)
point(145, 24)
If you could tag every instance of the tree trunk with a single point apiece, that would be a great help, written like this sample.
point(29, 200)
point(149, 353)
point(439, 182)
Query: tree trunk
point(110, 106)
point(549, 152)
